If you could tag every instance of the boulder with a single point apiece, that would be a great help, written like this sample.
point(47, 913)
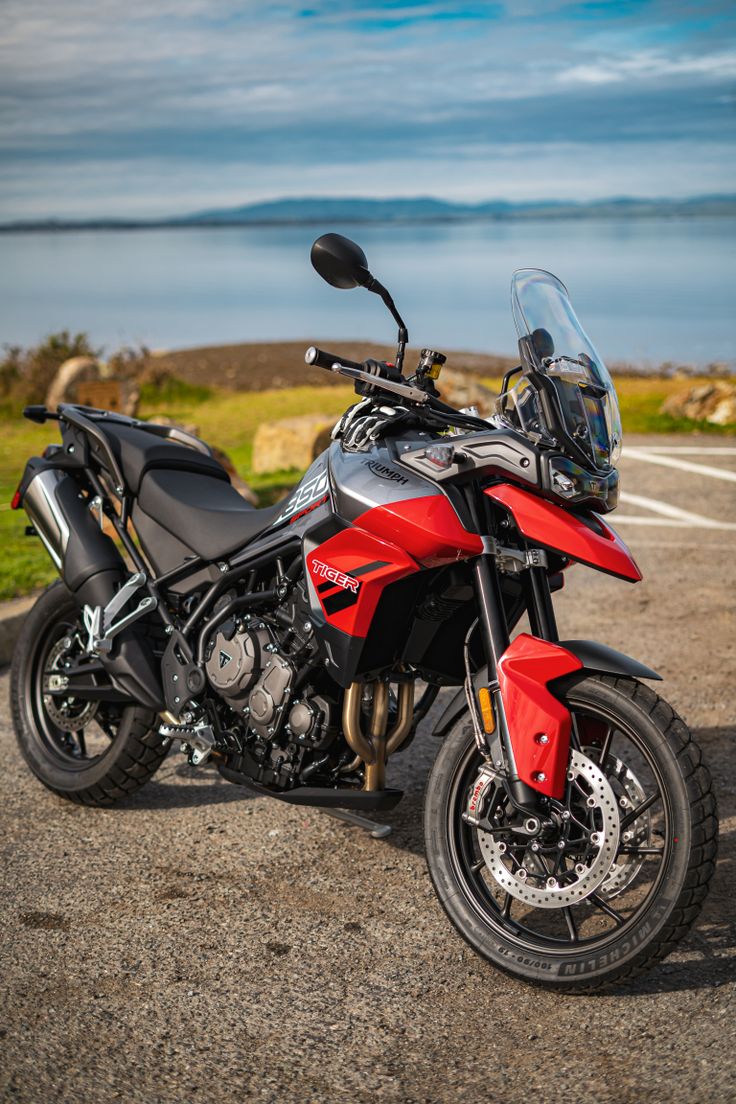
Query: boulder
point(89, 381)
point(725, 412)
point(76, 370)
point(709, 402)
point(291, 442)
point(461, 389)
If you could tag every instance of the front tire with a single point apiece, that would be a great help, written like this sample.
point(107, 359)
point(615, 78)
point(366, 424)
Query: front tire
point(665, 847)
point(91, 754)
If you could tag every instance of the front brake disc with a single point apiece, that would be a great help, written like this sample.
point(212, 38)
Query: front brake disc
point(529, 880)
point(630, 794)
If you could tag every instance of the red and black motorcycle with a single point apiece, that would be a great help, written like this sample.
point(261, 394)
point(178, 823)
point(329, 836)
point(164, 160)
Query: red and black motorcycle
point(570, 822)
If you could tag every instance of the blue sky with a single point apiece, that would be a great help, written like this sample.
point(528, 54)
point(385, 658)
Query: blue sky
point(147, 107)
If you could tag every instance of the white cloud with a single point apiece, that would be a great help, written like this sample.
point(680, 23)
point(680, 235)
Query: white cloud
point(227, 96)
point(648, 65)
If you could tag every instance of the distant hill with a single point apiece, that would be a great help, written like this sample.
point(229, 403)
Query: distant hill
point(336, 211)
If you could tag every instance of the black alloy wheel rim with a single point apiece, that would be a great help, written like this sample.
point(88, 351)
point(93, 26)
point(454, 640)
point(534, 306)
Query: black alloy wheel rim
point(563, 936)
point(68, 749)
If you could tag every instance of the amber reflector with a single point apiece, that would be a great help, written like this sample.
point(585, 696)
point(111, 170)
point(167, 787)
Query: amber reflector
point(486, 710)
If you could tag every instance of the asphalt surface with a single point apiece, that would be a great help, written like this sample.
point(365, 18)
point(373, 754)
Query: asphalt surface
point(195, 944)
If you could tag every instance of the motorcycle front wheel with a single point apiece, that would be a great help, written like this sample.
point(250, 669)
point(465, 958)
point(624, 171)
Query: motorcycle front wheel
point(617, 875)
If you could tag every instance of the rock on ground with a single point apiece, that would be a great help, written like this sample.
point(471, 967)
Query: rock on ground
point(69, 383)
point(291, 442)
point(711, 402)
point(461, 389)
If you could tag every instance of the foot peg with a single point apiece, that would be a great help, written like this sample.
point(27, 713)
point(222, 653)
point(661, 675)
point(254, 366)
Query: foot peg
point(197, 739)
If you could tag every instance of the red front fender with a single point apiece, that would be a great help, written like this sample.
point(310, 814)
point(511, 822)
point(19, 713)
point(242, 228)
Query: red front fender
point(538, 723)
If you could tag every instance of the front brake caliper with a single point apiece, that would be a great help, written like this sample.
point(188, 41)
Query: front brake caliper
point(477, 795)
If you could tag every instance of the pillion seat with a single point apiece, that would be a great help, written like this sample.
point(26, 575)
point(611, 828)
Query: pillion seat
point(207, 514)
point(138, 451)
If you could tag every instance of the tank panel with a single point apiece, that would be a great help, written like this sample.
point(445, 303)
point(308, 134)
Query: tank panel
point(428, 528)
point(347, 574)
point(361, 480)
point(312, 491)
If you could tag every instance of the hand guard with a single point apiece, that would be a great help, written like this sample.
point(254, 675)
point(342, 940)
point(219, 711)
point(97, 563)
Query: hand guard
point(362, 425)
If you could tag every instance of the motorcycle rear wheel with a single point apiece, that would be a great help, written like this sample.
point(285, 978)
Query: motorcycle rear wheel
point(89, 753)
point(664, 839)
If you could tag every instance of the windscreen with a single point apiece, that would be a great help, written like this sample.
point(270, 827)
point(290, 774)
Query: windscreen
point(587, 398)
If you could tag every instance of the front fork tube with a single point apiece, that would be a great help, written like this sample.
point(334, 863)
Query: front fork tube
point(495, 632)
point(539, 604)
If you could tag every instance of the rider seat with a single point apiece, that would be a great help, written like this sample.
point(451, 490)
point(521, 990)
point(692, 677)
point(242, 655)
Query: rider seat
point(207, 514)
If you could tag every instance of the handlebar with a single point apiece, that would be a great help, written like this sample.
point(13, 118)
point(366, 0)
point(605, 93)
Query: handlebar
point(368, 382)
point(323, 359)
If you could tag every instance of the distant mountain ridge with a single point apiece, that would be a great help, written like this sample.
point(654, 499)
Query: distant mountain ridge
point(329, 210)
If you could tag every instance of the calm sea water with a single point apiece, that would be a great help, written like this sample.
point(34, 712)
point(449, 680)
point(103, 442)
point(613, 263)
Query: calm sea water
point(646, 290)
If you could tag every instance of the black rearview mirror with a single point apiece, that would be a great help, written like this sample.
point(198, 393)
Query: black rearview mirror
point(340, 261)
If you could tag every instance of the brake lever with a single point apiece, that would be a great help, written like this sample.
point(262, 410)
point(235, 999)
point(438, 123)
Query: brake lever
point(411, 393)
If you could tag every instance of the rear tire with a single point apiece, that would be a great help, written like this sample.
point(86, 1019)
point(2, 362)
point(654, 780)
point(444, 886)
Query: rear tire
point(678, 859)
point(133, 750)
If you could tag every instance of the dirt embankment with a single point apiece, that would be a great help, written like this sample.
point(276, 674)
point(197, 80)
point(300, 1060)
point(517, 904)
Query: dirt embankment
point(264, 365)
point(259, 367)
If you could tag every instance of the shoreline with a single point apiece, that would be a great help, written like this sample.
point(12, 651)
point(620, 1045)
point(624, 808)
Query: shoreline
point(264, 365)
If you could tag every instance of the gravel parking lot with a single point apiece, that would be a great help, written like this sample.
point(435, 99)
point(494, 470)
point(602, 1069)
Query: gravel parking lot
point(199, 944)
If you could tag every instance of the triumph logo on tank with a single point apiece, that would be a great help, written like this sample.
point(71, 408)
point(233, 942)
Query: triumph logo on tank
point(339, 578)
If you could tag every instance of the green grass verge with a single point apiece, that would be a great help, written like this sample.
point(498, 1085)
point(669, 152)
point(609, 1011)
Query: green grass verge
point(230, 421)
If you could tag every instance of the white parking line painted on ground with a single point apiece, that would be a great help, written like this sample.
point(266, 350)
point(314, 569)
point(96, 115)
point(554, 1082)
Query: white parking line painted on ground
point(685, 450)
point(682, 465)
point(671, 513)
point(631, 519)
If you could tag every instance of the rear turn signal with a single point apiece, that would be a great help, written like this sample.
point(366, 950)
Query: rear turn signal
point(486, 710)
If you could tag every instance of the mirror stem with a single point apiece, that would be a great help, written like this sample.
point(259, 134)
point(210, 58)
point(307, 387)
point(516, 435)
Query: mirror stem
point(375, 286)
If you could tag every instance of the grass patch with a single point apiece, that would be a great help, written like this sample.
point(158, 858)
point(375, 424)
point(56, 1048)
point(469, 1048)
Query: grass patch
point(171, 391)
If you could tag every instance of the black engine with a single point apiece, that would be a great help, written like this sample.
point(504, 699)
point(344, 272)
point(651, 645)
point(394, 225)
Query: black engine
point(264, 670)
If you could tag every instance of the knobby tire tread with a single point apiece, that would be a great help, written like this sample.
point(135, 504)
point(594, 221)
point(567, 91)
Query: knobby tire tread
point(702, 859)
point(134, 763)
point(704, 820)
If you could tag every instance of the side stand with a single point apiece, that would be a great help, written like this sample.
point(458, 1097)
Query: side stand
point(377, 831)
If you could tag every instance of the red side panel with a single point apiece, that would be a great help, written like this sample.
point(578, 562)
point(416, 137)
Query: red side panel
point(428, 528)
point(595, 544)
point(349, 572)
point(524, 670)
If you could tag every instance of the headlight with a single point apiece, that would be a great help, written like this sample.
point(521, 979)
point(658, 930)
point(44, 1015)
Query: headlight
point(569, 481)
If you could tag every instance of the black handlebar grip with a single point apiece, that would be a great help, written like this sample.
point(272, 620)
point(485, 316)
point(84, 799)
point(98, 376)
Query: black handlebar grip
point(324, 359)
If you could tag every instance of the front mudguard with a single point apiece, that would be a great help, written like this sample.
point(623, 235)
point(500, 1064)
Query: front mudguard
point(538, 722)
